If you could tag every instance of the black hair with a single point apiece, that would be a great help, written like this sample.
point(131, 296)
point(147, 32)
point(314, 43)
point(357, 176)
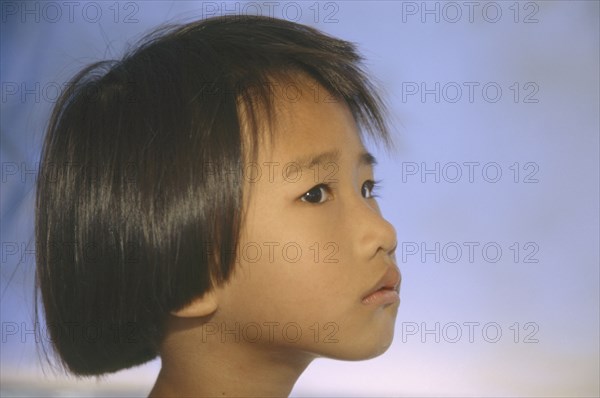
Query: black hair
point(129, 223)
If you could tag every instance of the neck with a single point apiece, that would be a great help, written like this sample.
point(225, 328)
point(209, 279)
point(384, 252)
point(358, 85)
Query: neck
point(194, 368)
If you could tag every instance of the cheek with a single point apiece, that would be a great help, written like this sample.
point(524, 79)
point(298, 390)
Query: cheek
point(310, 307)
point(288, 277)
point(290, 269)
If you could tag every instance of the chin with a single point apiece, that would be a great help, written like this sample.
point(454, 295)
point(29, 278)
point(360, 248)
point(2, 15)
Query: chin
point(362, 343)
point(360, 352)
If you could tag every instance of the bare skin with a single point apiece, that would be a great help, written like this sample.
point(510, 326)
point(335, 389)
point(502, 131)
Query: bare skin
point(308, 256)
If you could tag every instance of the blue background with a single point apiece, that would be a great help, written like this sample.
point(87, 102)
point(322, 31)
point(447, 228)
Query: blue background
point(550, 209)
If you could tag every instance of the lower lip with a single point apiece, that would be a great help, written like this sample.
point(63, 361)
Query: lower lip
point(382, 296)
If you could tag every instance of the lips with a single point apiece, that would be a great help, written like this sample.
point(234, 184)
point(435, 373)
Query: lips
point(386, 290)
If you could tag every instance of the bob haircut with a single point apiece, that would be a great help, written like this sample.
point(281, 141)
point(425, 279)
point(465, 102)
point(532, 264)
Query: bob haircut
point(129, 225)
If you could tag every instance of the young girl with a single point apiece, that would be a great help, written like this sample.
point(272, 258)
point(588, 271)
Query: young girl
point(211, 202)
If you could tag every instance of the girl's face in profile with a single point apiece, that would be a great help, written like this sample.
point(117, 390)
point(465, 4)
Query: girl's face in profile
point(313, 244)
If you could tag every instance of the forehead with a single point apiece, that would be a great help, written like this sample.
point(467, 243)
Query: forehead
point(308, 120)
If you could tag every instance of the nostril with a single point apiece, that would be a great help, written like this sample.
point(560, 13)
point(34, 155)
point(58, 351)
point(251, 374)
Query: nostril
point(393, 250)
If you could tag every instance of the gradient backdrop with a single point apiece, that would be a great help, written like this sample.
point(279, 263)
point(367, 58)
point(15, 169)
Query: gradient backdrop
point(494, 191)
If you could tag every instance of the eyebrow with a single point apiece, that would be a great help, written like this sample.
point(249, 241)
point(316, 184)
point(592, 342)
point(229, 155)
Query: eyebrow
point(307, 162)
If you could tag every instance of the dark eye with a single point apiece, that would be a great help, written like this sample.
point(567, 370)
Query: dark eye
point(317, 194)
point(369, 188)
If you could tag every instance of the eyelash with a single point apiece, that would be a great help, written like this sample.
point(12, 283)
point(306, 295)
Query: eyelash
point(374, 185)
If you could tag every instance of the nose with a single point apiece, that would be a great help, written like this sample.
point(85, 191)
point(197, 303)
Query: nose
point(374, 234)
